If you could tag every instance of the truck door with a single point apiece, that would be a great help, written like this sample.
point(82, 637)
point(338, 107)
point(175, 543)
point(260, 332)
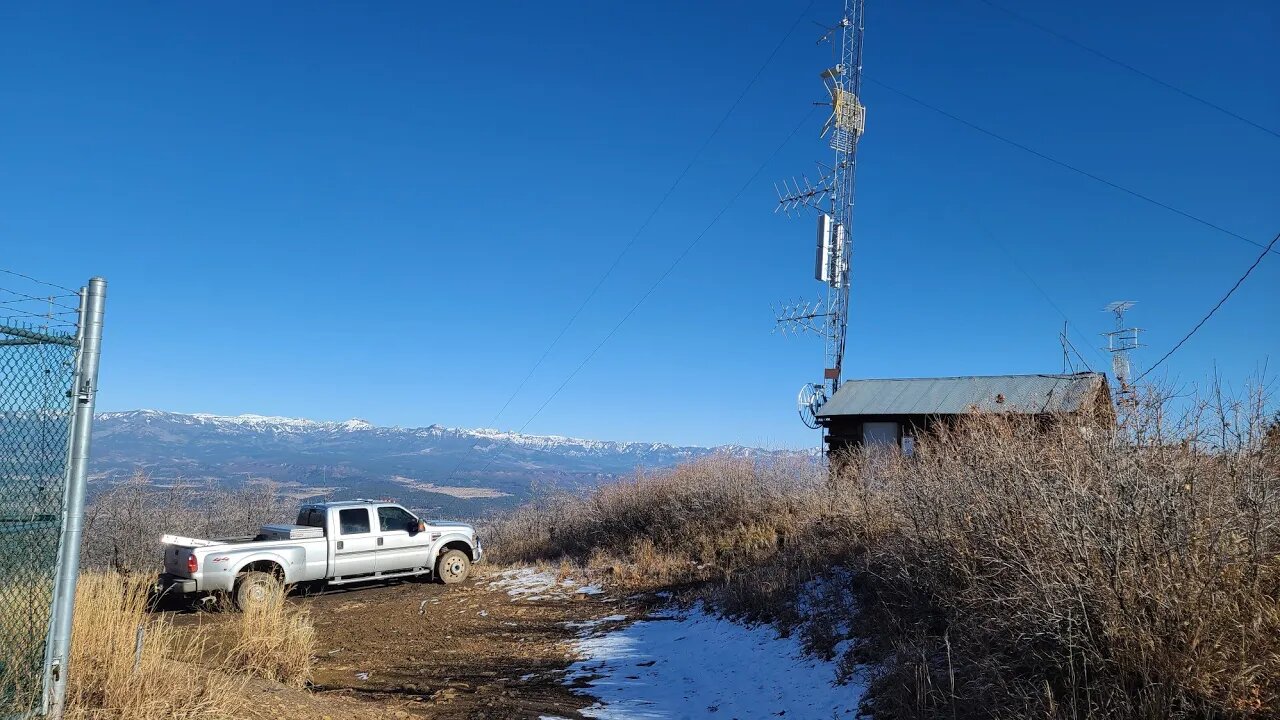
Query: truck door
point(355, 544)
point(402, 546)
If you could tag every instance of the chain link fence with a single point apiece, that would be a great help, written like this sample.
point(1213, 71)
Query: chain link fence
point(36, 375)
point(49, 348)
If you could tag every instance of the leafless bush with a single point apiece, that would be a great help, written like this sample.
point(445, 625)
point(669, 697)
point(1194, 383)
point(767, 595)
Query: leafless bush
point(123, 524)
point(1070, 572)
point(1009, 568)
point(720, 515)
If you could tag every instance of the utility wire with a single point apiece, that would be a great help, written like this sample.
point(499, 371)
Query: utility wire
point(697, 155)
point(1031, 278)
point(1120, 63)
point(666, 273)
point(661, 203)
point(1072, 168)
point(1212, 310)
point(671, 268)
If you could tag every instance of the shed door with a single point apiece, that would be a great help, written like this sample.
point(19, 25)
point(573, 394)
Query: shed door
point(880, 434)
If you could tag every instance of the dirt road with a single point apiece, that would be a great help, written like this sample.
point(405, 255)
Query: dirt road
point(494, 647)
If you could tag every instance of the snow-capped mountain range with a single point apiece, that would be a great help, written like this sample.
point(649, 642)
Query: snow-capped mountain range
point(359, 457)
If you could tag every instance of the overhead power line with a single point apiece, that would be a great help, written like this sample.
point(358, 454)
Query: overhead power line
point(1068, 166)
point(653, 213)
point(1214, 309)
point(697, 155)
point(665, 274)
point(1013, 260)
point(671, 268)
point(1120, 63)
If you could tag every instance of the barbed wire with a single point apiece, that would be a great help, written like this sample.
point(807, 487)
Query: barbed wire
point(38, 281)
point(45, 299)
point(22, 306)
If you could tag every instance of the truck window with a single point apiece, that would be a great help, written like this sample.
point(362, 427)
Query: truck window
point(353, 521)
point(391, 518)
point(310, 517)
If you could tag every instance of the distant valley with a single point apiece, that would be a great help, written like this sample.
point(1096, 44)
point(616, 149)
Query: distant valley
point(457, 471)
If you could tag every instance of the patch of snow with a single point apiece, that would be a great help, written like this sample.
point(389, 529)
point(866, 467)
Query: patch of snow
point(588, 624)
point(702, 666)
point(531, 584)
point(524, 582)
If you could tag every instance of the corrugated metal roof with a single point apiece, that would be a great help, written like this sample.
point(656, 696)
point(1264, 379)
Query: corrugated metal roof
point(1033, 394)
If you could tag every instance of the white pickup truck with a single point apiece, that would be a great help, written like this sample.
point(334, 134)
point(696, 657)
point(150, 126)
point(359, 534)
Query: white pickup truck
point(337, 542)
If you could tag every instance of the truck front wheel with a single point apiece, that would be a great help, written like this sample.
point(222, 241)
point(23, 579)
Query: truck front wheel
point(255, 589)
point(453, 567)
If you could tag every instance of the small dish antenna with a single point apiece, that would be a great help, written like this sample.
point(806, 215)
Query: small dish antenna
point(812, 396)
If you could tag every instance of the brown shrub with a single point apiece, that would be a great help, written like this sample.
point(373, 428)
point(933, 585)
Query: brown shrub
point(1008, 569)
point(1069, 572)
point(719, 515)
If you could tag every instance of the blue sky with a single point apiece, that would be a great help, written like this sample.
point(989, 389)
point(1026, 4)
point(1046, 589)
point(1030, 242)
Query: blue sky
point(389, 211)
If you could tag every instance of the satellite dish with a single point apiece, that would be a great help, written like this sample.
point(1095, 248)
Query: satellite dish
point(812, 396)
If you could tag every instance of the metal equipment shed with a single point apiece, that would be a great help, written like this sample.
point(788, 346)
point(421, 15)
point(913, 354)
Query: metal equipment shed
point(894, 411)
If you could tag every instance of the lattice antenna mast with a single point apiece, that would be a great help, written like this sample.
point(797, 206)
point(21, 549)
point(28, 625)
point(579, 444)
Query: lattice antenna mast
point(831, 195)
point(1120, 342)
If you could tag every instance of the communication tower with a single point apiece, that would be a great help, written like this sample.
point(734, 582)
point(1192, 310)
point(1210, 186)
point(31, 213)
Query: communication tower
point(831, 196)
point(1120, 342)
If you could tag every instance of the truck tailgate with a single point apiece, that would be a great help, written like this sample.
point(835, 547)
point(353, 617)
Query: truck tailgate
point(175, 560)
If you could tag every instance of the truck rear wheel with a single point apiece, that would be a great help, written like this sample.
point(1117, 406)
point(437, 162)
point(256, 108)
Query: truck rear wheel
point(453, 567)
point(256, 588)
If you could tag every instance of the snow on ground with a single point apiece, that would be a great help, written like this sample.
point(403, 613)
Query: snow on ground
point(531, 584)
point(697, 665)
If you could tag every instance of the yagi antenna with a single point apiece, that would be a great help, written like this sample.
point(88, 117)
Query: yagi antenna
point(831, 197)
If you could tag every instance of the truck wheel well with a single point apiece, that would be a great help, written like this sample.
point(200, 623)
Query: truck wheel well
point(266, 566)
point(456, 545)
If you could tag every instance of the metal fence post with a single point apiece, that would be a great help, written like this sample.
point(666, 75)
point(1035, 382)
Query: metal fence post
point(85, 390)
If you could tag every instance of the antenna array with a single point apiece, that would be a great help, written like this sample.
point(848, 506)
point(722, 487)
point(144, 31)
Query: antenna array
point(1120, 342)
point(831, 196)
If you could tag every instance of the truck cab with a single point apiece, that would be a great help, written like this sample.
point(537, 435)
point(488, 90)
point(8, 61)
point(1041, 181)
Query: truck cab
point(377, 539)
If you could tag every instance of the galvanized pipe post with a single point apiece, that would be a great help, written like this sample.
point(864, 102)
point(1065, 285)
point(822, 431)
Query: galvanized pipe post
point(92, 305)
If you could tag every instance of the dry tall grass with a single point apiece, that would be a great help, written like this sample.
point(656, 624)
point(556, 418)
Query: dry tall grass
point(107, 679)
point(24, 616)
point(1008, 569)
point(273, 640)
point(179, 673)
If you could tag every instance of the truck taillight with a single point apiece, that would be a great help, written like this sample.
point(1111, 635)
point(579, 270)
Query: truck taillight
point(192, 565)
